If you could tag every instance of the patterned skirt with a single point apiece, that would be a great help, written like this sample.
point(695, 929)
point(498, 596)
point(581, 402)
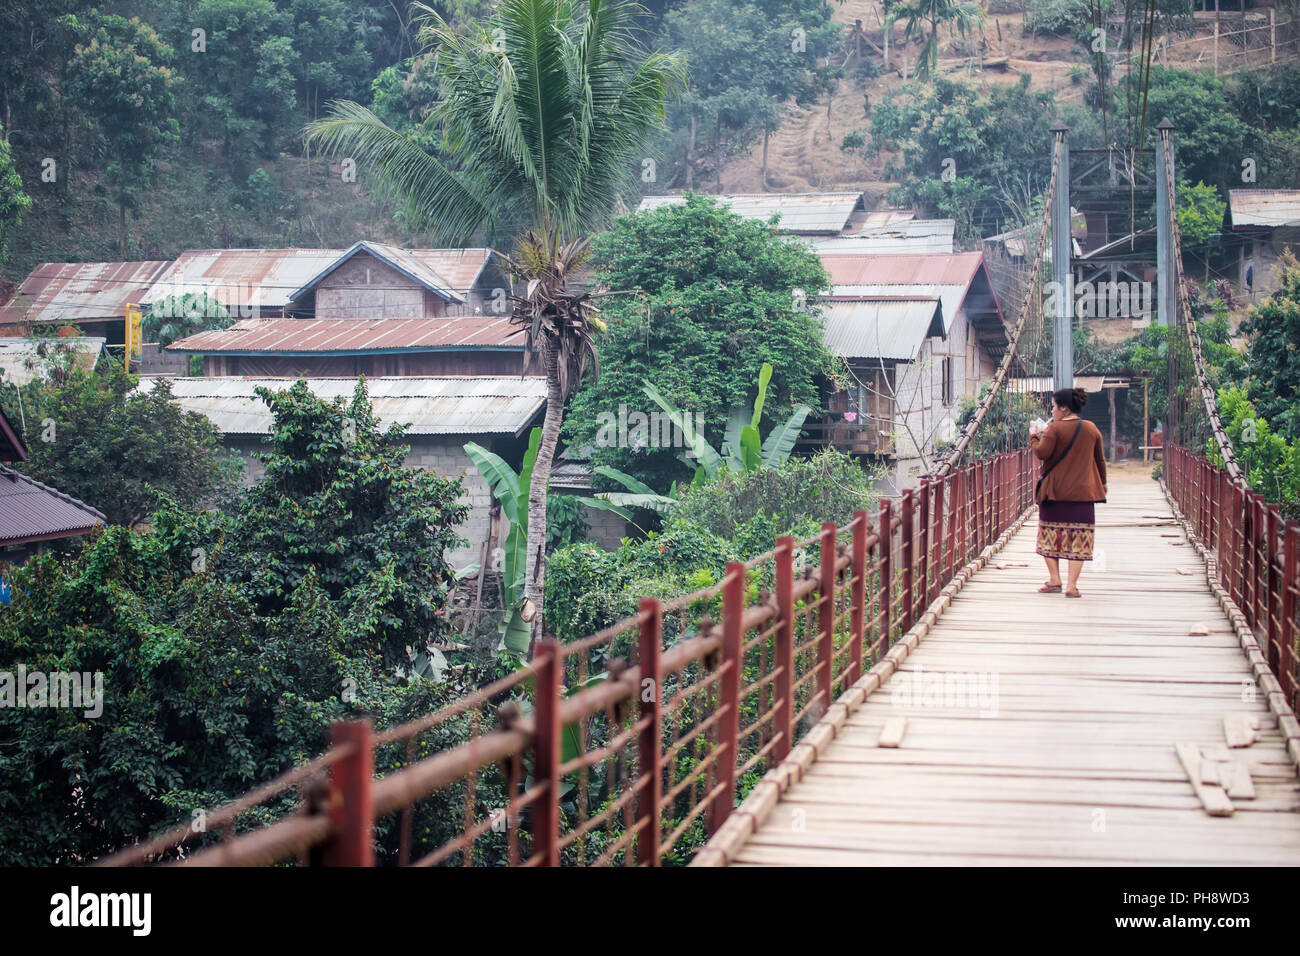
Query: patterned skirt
point(1065, 530)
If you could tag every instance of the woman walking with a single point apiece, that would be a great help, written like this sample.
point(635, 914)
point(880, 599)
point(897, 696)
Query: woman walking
point(1073, 480)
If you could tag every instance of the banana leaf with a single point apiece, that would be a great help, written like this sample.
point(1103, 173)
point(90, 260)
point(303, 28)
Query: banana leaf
point(781, 439)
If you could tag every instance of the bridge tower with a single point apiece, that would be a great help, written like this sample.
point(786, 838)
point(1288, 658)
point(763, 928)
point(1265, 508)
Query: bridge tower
point(1062, 274)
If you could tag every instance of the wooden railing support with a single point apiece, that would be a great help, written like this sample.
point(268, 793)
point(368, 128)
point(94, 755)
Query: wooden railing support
point(784, 652)
point(650, 770)
point(546, 751)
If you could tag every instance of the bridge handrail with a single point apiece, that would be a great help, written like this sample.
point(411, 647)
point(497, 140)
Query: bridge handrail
point(1257, 553)
point(1208, 399)
point(683, 724)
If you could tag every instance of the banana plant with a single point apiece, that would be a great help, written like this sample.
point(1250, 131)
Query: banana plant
point(742, 448)
point(511, 490)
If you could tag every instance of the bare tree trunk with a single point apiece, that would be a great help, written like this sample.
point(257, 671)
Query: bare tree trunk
point(762, 178)
point(690, 154)
point(121, 229)
point(535, 548)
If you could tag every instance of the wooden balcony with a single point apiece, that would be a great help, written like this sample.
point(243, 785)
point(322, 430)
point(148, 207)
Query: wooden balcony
point(854, 438)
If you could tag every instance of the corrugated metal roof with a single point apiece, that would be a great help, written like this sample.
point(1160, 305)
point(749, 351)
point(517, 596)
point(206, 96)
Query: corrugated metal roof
point(241, 278)
point(428, 405)
point(951, 296)
point(1264, 207)
point(352, 336)
point(935, 269)
point(30, 510)
point(887, 219)
point(24, 359)
point(79, 291)
point(913, 236)
point(807, 213)
point(880, 328)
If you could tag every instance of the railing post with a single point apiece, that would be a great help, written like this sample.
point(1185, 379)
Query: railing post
point(784, 716)
point(546, 752)
point(1272, 607)
point(1222, 536)
point(352, 807)
point(733, 612)
point(1288, 631)
point(906, 593)
point(977, 522)
point(923, 595)
point(826, 618)
point(858, 607)
point(886, 571)
point(936, 537)
point(650, 746)
point(963, 515)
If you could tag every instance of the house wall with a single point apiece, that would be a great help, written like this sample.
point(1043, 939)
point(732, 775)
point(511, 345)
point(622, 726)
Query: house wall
point(366, 288)
point(925, 419)
point(1262, 255)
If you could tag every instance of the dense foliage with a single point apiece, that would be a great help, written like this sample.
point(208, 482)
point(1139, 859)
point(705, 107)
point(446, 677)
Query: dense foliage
point(1273, 353)
point(92, 435)
point(227, 643)
point(718, 297)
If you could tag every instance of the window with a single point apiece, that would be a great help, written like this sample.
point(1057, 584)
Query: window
point(946, 372)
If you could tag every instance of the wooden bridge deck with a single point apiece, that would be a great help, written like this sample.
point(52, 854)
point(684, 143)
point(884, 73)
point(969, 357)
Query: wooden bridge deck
point(1074, 761)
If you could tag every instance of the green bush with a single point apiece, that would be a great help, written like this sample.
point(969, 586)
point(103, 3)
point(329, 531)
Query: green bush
point(829, 486)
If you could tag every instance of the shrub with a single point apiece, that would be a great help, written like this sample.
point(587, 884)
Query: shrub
point(829, 486)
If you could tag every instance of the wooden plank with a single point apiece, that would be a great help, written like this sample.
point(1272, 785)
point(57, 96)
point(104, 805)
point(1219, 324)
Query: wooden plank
point(1213, 799)
point(891, 735)
point(1240, 730)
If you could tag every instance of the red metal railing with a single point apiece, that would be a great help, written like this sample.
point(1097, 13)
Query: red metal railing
point(631, 746)
point(1256, 550)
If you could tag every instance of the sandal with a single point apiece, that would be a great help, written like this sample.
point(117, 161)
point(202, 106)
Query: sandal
point(1049, 588)
point(1073, 594)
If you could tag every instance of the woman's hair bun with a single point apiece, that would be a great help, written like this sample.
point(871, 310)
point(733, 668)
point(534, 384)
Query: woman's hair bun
point(1080, 398)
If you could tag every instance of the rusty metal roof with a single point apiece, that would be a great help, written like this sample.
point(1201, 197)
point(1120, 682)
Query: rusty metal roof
point(446, 405)
point(890, 328)
point(80, 291)
point(241, 278)
point(801, 213)
point(1264, 207)
point(24, 359)
point(31, 511)
point(353, 336)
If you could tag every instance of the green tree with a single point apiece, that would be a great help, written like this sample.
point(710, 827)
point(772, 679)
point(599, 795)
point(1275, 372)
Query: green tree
point(747, 60)
point(958, 16)
point(546, 108)
point(13, 201)
point(1273, 353)
point(173, 317)
point(1200, 213)
point(228, 642)
point(95, 438)
point(719, 296)
point(122, 78)
point(962, 148)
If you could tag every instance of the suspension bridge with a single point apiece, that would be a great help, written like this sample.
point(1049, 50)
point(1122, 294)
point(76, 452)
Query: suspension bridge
point(892, 691)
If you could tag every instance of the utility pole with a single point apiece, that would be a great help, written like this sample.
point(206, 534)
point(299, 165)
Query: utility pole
point(1166, 269)
point(1062, 277)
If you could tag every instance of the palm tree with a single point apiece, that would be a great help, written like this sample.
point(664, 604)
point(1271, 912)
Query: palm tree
point(920, 13)
point(543, 111)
